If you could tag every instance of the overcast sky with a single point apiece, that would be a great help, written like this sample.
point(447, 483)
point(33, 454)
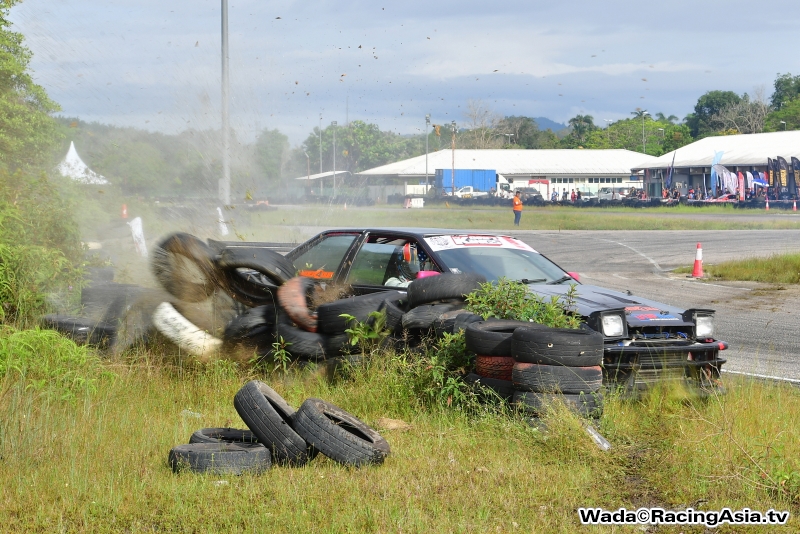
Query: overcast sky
point(156, 64)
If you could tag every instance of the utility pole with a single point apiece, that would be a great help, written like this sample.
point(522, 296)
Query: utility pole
point(453, 146)
point(644, 139)
point(320, 144)
point(427, 125)
point(225, 182)
point(334, 158)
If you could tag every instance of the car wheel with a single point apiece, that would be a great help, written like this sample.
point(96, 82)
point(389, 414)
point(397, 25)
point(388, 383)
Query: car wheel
point(269, 417)
point(339, 435)
point(587, 405)
point(185, 334)
point(223, 435)
point(558, 346)
point(220, 458)
point(556, 378)
point(251, 276)
point(502, 388)
point(394, 309)
point(184, 266)
point(293, 297)
point(498, 367)
point(330, 314)
point(443, 287)
point(493, 337)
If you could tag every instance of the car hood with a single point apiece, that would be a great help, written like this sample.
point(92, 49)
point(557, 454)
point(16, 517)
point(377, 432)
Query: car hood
point(638, 310)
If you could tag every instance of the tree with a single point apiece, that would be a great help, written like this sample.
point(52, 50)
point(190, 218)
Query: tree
point(661, 136)
point(581, 126)
point(28, 133)
point(481, 127)
point(744, 117)
point(789, 113)
point(701, 121)
point(787, 88)
point(271, 147)
point(672, 119)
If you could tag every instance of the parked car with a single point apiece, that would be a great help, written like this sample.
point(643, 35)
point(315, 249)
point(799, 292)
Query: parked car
point(530, 196)
point(470, 192)
point(644, 341)
point(613, 193)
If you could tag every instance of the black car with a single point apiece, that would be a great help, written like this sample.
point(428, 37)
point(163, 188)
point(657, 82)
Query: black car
point(645, 341)
point(531, 196)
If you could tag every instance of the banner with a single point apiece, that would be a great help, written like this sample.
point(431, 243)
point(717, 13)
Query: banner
point(795, 173)
point(714, 162)
point(138, 236)
point(741, 186)
point(783, 170)
point(770, 172)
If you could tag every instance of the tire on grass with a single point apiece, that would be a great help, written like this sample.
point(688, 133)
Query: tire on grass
point(443, 287)
point(223, 435)
point(339, 435)
point(184, 266)
point(394, 309)
point(300, 343)
point(269, 417)
point(220, 458)
point(502, 388)
point(252, 275)
point(558, 346)
point(81, 330)
point(330, 314)
point(587, 405)
point(423, 316)
point(556, 378)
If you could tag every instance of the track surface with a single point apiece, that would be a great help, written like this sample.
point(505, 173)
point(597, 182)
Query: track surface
point(760, 321)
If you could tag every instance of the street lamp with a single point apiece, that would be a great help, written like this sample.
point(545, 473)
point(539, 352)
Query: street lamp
point(663, 135)
point(225, 182)
point(784, 125)
point(509, 137)
point(308, 166)
point(334, 158)
point(427, 126)
point(453, 145)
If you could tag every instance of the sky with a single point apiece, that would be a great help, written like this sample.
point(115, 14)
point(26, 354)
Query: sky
point(156, 64)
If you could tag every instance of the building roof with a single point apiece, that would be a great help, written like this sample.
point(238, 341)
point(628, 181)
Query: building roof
point(535, 162)
point(328, 174)
point(72, 166)
point(742, 150)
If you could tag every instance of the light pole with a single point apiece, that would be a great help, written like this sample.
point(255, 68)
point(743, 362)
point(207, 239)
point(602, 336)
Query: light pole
point(608, 134)
point(784, 125)
point(334, 158)
point(453, 145)
point(308, 166)
point(320, 144)
point(427, 126)
point(509, 137)
point(225, 181)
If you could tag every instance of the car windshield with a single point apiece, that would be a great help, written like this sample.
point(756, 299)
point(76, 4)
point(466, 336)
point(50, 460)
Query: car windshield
point(495, 263)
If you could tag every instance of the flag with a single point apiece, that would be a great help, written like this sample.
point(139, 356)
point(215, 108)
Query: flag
point(795, 174)
point(671, 170)
point(717, 158)
point(770, 171)
point(783, 169)
point(741, 186)
point(749, 176)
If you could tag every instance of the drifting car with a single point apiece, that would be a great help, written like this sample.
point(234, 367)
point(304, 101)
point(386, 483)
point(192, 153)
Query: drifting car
point(645, 341)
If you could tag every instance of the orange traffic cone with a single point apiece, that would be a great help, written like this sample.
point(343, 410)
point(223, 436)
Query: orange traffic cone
point(124, 211)
point(345, 206)
point(697, 272)
point(794, 205)
point(767, 204)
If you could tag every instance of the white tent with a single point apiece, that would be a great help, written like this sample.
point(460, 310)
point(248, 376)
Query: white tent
point(73, 167)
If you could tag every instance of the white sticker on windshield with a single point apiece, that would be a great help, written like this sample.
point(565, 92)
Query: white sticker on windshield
point(445, 242)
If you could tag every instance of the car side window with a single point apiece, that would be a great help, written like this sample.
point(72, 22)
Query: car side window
point(372, 263)
point(322, 260)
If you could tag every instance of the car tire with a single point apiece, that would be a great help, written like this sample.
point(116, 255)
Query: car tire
point(339, 435)
point(498, 367)
point(503, 388)
point(223, 435)
point(558, 346)
point(293, 297)
point(251, 275)
point(423, 316)
point(493, 337)
point(220, 458)
point(185, 334)
point(176, 277)
point(81, 330)
point(556, 378)
point(270, 418)
point(300, 343)
point(254, 329)
point(330, 314)
point(443, 287)
point(465, 319)
point(587, 405)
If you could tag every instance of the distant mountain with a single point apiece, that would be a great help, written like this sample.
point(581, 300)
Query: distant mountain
point(545, 124)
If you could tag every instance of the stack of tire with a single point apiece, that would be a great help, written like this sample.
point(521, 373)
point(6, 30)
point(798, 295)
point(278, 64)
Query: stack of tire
point(557, 364)
point(434, 303)
point(279, 435)
point(321, 334)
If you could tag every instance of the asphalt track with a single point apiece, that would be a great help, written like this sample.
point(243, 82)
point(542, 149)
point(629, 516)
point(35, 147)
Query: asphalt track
point(760, 321)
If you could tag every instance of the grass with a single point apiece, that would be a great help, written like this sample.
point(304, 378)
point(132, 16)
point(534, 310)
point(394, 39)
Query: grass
point(97, 462)
point(775, 269)
point(300, 223)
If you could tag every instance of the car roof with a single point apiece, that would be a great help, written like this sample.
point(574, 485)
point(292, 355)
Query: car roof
point(417, 232)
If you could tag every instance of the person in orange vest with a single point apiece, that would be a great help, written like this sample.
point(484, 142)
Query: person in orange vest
point(516, 204)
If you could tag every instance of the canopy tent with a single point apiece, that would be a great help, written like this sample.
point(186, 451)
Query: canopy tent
point(72, 166)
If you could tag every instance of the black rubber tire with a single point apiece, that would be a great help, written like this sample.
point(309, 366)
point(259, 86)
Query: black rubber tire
point(329, 315)
point(174, 277)
point(442, 287)
point(498, 367)
point(274, 266)
point(422, 317)
point(445, 323)
point(558, 346)
point(503, 388)
point(492, 337)
point(107, 301)
point(255, 328)
point(220, 458)
point(338, 345)
point(302, 344)
point(394, 310)
point(556, 378)
point(294, 298)
point(339, 435)
point(249, 287)
point(464, 319)
point(223, 435)
point(269, 417)
point(587, 405)
point(81, 330)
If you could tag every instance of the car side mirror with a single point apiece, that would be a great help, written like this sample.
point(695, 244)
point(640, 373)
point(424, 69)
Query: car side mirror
point(574, 275)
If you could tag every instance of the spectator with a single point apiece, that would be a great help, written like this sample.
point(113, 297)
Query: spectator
point(516, 206)
point(572, 196)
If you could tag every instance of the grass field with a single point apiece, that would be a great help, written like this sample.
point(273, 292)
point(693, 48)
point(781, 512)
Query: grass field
point(87, 453)
point(776, 269)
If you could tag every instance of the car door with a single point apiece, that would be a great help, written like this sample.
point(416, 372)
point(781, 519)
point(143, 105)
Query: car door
point(323, 257)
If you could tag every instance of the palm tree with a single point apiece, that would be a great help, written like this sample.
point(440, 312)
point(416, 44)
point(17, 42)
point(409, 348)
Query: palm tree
point(661, 118)
point(581, 125)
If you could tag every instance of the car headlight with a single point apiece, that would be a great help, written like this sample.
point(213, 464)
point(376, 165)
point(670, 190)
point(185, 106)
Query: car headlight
point(704, 327)
point(613, 326)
